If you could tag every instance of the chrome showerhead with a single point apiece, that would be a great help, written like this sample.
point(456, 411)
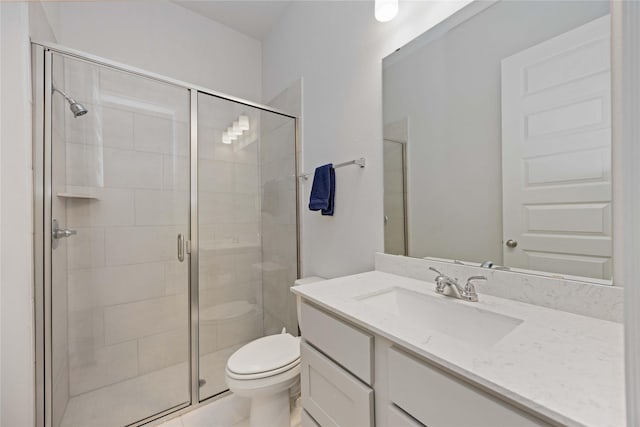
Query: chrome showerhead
point(76, 108)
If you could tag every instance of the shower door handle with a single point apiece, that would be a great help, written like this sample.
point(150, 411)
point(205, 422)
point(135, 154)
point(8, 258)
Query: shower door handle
point(180, 247)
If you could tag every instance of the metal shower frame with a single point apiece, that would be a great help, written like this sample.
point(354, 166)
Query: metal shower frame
point(41, 60)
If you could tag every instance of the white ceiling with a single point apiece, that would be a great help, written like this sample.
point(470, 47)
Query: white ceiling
point(250, 17)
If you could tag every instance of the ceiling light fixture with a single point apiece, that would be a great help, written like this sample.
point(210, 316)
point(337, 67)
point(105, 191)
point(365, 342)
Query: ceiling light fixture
point(237, 128)
point(385, 10)
point(243, 123)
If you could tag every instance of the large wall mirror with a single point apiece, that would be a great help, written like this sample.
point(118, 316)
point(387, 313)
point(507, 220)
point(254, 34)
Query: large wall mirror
point(497, 140)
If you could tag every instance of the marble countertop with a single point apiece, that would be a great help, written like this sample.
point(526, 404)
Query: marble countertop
point(566, 367)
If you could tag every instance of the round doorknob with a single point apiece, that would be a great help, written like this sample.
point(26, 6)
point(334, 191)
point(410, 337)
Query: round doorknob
point(511, 243)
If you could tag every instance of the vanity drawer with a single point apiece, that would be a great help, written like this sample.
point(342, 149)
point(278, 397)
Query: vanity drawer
point(332, 396)
point(347, 345)
point(436, 398)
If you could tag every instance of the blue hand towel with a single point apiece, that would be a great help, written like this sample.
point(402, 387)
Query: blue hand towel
point(323, 190)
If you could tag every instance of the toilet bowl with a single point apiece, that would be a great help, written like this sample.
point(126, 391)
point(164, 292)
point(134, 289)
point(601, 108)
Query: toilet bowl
point(265, 370)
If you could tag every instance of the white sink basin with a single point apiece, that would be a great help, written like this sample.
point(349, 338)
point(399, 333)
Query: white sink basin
point(462, 321)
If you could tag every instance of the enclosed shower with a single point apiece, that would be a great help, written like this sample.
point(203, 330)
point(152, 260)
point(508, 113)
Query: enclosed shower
point(166, 238)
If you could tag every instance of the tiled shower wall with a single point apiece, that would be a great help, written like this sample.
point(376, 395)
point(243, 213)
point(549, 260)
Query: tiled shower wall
point(279, 231)
point(127, 293)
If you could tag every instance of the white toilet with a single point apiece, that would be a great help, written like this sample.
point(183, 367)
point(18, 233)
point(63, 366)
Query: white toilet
point(265, 370)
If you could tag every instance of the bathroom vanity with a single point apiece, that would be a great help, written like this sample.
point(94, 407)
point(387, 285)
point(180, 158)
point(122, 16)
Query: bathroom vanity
point(386, 350)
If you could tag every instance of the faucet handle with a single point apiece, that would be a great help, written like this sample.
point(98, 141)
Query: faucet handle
point(433, 269)
point(469, 293)
point(472, 278)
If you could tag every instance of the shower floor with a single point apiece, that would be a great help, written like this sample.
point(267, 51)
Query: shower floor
point(137, 398)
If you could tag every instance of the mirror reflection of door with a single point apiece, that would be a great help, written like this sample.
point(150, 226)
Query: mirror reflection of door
point(395, 189)
point(556, 154)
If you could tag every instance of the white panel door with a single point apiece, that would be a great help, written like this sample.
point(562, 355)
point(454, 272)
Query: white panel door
point(556, 154)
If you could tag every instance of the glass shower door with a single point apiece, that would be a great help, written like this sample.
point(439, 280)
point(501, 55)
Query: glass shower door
point(246, 231)
point(119, 285)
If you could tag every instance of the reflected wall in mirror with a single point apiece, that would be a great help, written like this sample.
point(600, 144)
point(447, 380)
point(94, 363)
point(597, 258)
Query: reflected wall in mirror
point(497, 139)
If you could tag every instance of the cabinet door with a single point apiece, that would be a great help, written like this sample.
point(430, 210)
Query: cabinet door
point(331, 395)
point(438, 399)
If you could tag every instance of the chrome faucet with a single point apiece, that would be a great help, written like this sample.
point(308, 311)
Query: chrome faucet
point(467, 293)
point(491, 265)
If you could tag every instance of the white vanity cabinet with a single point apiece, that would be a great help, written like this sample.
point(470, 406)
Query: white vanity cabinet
point(436, 398)
point(345, 379)
point(336, 372)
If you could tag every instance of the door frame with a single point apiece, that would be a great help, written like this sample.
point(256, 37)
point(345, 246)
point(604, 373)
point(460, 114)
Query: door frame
point(626, 155)
point(41, 60)
point(405, 220)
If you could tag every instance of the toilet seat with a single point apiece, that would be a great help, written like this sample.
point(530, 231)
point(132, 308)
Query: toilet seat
point(260, 375)
point(265, 357)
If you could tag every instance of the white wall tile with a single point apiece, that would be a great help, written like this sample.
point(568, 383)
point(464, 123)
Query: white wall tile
point(246, 208)
point(112, 207)
point(155, 98)
point(139, 319)
point(110, 364)
point(117, 128)
point(101, 287)
point(161, 207)
point(216, 270)
point(85, 165)
point(176, 276)
point(137, 245)
point(216, 176)
point(215, 208)
point(246, 179)
point(279, 141)
point(86, 327)
point(208, 337)
point(246, 233)
point(240, 330)
point(132, 169)
point(86, 249)
point(210, 146)
point(176, 172)
point(160, 135)
point(247, 267)
point(217, 295)
point(102, 126)
point(248, 154)
point(162, 350)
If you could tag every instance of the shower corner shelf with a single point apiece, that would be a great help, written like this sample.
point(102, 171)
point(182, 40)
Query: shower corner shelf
point(77, 196)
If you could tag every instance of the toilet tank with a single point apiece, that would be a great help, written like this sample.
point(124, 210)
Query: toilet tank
point(305, 281)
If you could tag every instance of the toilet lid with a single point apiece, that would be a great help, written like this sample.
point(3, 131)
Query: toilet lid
point(265, 354)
